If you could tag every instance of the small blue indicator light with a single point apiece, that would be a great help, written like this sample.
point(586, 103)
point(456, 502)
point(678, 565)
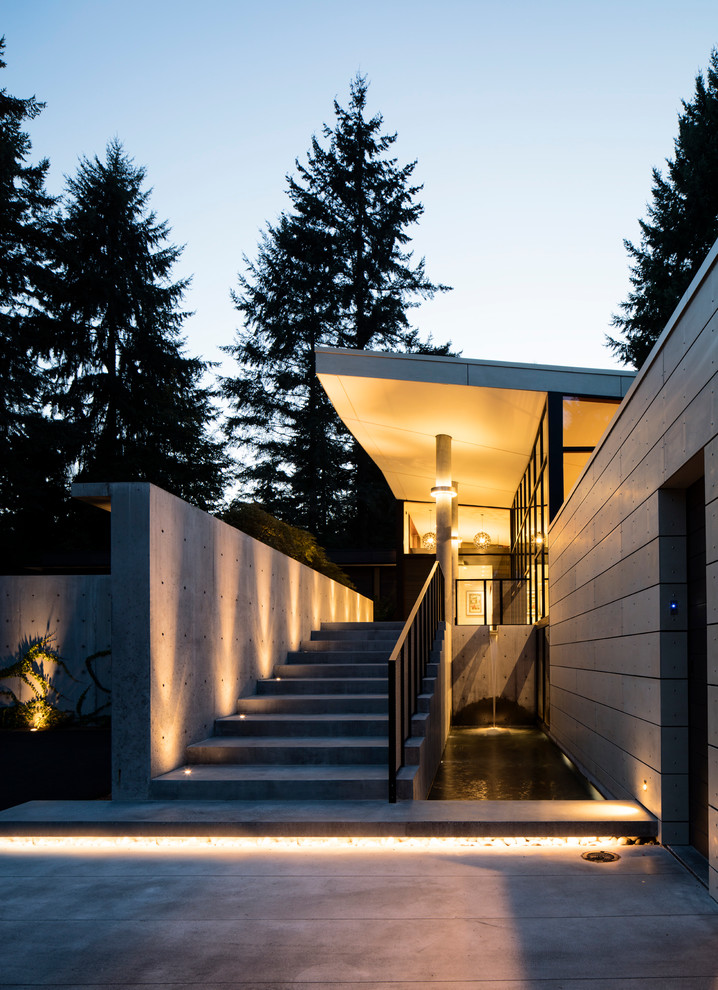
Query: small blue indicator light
point(673, 605)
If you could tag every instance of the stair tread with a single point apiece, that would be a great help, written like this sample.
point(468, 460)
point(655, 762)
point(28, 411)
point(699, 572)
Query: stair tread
point(347, 645)
point(379, 624)
point(358, 694)
point(345, 671)
point(304, 704)
point(309, 717)
point(310, 680)
point(334, 657)
point(291, 741)
point(279, 771)
point(342, 656)
point(345, 662)
point(314, 730)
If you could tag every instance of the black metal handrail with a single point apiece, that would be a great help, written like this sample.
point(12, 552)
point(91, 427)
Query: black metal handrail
point(407, 668)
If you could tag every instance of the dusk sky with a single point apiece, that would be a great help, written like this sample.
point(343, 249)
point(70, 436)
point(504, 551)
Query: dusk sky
point(535, 126)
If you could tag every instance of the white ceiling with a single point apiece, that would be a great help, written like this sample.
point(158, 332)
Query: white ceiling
point(396, 422)
point(395, 405)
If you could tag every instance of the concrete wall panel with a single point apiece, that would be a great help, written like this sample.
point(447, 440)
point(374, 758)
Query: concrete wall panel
point(713, 654)
point(74, 610)
point(581, 709)
point(710, 460)
point(199, 612)
point(503, 661)
point(618, 562)
point(713, 776)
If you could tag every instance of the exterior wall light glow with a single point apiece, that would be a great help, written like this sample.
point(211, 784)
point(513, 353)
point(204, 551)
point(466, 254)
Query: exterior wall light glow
point(207, 844)
point(673, 606)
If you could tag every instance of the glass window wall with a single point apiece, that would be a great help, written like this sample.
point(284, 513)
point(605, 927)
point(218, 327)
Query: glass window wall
point(529, 523)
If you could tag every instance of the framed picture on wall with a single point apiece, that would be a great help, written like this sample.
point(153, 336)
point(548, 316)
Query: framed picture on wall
point(475, 603)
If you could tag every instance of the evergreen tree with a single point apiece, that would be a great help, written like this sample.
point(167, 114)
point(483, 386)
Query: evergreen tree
point(32, 471)
point(120, 374)
point(334, 270)
point(681, 227)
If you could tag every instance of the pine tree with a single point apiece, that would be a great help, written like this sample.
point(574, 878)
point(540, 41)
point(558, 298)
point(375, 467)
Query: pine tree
point(334, 270)
point(681, 225)
point(32, 471)
point(121, 377)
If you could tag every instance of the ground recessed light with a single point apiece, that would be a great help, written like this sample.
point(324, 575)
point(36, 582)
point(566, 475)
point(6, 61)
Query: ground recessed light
point(600, 856)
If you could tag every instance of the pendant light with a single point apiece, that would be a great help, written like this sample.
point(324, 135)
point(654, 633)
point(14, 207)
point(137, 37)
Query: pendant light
point(482, 540)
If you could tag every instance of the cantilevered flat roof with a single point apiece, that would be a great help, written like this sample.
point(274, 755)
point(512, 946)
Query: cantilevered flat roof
point(396, 404)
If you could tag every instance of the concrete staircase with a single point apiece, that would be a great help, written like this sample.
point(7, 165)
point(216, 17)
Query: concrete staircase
point(316, 730)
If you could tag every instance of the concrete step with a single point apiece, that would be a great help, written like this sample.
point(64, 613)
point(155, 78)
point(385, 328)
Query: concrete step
point(368, 633)
point(322, 685)
point(380, 626)
point(348, 645)
point(315, 704)
point(316, 730)
point(374, 819)
point(289, 725)
point(329, 670)
point(272, 783)
point(338, 656)
point(332, 751)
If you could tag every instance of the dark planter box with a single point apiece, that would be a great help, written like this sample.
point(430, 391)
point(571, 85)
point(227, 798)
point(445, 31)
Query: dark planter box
point(54, 765)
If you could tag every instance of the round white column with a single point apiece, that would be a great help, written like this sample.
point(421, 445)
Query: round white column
point(455, 530)
point(443, 493)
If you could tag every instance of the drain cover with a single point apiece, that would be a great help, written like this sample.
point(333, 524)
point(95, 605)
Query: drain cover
point(600, 857)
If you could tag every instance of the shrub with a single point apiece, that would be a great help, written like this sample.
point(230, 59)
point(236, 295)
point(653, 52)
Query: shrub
point(296, 543)
point(29, 667)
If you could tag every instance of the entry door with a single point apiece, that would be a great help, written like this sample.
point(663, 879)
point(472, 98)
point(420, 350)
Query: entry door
point(697, 668)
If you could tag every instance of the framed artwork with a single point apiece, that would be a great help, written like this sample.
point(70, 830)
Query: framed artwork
point(475, 603)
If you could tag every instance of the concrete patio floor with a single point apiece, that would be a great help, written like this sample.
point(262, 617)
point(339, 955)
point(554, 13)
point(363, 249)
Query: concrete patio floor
point(462, 914)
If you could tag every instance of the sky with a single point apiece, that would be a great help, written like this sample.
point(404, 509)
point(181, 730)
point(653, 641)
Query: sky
point(535, 126)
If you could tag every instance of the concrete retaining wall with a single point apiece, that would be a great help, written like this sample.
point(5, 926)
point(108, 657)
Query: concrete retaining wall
point(199, 612)
point(74, 610)
point(509, 655)
point(618, 559)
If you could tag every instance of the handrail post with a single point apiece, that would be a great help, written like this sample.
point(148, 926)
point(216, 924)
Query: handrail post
point(406, 669)
point(391, 681)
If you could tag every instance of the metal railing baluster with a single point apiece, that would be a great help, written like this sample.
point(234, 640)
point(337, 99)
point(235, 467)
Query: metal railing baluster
point(407, 666)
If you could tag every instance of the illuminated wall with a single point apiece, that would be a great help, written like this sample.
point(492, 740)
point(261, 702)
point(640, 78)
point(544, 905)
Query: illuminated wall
point(634, 588)
point(199, 612)
point(73, 609)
